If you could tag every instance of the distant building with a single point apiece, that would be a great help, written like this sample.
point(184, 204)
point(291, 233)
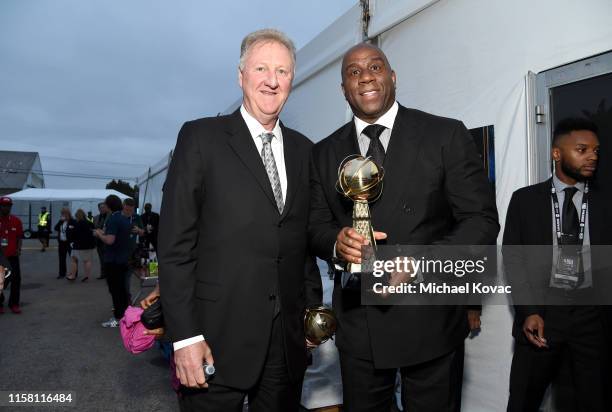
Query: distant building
point(20, 170)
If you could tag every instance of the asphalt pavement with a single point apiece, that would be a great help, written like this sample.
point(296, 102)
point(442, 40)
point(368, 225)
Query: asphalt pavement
point(57, 344)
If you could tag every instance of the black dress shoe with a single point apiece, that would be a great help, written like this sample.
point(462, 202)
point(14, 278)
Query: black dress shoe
point(60, 277)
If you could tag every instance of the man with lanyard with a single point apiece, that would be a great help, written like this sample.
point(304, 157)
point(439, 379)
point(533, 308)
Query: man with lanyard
point(11, 233)
point(568, 212)
point(44, 228)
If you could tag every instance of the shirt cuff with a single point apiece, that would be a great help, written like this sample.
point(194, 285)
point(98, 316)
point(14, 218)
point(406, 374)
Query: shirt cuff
point(186, 342)
point(335, 260)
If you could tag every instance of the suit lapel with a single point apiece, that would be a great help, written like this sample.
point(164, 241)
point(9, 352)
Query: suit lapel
point(293, 167)
point(543, 212)
point(596, 218)
point(400, 159)
point(242, 143)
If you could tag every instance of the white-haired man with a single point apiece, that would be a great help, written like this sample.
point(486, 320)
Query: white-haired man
point(235, 276)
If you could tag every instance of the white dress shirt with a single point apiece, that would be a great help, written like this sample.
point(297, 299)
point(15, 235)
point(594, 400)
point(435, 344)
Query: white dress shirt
point(387, 120)
point(256, 130)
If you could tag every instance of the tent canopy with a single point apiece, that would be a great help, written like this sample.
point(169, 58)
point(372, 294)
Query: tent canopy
point(50, 195)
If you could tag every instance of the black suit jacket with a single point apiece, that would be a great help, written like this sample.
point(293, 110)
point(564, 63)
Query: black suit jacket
point(225, 253)
point(435, 192)
point(529, 222)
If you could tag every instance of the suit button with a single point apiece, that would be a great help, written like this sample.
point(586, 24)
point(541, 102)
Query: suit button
point(280, 224)
point(278, 259)
point(272, 296)
point(407, 209)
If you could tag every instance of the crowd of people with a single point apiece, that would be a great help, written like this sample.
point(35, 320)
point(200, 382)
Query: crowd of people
point(117, 234)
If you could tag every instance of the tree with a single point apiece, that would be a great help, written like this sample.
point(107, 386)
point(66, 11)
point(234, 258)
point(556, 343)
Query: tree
point(124, 187)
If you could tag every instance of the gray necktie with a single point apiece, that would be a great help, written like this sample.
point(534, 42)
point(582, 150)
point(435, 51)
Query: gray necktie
point(268, 159)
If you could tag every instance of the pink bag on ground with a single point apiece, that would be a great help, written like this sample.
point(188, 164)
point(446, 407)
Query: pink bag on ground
point(132, 331)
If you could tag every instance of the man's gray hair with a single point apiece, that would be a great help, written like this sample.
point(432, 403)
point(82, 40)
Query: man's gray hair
point(265, 35)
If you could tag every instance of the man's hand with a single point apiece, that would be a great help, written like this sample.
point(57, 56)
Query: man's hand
point(158, 333)
point(189, 361)
point(2, 277)
point(349, 242)
point(310, 345)
point(138, 231)
point(98, 233)
point(150, 298)
point(398, 277)
point(533, 328)
point(474, 319)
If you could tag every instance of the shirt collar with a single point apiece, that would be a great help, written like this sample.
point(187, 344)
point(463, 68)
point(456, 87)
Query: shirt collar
point(256, 129)
point(386, 119)
point(559, 185)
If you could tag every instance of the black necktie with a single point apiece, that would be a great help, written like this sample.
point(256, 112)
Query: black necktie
point(376, 149)
point(571, 224)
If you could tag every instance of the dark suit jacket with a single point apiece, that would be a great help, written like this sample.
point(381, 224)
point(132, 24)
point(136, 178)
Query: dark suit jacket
point(435, 192)
point(529, 222)
point(226, 254)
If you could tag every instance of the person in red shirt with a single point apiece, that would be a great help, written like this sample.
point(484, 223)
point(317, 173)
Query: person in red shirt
point(11, 234)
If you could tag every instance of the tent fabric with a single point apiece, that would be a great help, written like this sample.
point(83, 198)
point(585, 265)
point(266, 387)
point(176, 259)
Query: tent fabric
point(151, 183)
point(50, 195)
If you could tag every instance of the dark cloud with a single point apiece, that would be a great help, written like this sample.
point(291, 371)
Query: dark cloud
point(113, 81)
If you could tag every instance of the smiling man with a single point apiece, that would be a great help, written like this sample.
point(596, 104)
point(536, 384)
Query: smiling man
point(435, 192)
point(235, 276)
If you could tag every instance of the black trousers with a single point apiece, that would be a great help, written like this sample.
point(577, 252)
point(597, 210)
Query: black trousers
point(13, 282)
point(43, 235)
point(115, 278)
point(274, 392)
point(433, 386)
point(63, 251)
point(575, 334)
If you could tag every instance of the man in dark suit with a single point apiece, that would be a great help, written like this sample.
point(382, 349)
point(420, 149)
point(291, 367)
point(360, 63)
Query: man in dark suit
point(150, 220)
point(548, 336)
point(435, 192)
point(233, 244)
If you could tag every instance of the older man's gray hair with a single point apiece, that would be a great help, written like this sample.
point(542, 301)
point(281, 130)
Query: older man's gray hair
point(265, 35)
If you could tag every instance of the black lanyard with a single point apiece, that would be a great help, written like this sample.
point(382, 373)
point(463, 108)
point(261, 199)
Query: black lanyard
point(583, 210)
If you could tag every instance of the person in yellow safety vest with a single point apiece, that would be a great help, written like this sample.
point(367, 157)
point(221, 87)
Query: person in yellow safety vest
point(90, 217)
point(44, 228)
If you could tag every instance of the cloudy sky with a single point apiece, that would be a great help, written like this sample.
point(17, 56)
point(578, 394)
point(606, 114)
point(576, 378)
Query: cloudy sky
point(100, 88)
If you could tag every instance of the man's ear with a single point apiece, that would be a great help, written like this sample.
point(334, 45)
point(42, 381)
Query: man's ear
point(556, 154)
point(240, 77)
point(393, 77)
point(342, 88)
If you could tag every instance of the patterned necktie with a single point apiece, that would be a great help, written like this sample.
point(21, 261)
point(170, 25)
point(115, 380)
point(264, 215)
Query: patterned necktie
point(571, 224)
point(268, 159)
point(376, 149)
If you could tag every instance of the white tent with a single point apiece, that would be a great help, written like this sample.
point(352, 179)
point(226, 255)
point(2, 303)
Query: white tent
point(66, 195)
point(27, 202)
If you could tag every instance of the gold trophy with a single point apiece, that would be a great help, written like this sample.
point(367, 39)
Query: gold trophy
point(360, 179)
point(319, 324)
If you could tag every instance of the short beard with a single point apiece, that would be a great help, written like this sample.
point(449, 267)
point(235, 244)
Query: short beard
point(573, 173)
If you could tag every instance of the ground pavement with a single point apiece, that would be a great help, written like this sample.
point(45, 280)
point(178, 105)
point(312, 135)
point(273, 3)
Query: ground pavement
point(57, 344)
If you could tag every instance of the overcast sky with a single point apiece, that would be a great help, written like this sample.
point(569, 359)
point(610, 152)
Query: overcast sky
point(101, 88)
